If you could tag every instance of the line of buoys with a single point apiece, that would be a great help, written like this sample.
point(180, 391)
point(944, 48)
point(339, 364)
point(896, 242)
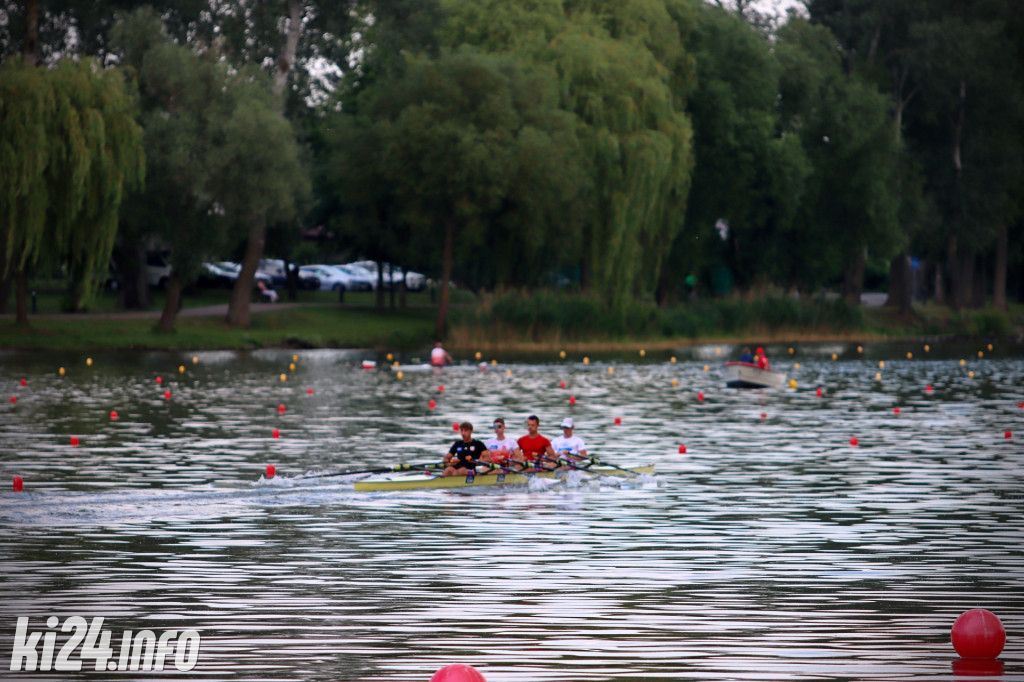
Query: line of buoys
point(978, 633)
point(457, 672)
point(19, 484)
point(271, 471)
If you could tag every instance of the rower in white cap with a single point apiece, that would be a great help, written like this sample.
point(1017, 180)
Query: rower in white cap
point(567, 444)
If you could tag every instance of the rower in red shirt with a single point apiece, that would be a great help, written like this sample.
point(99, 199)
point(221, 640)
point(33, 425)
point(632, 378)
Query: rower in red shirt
point(535, 446)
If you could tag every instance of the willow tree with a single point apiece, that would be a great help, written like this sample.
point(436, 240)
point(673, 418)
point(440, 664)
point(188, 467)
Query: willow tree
point(624, 74)
point(70, 135)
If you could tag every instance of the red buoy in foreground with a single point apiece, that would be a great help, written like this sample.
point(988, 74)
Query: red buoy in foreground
point(271, 471)
point(978, 633)
point(853, 441)
point(18, 484)
point(682, 449)
point(457, 672)
point(618, 421)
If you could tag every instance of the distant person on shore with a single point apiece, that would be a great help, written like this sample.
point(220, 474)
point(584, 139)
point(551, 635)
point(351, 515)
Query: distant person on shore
point(762, 359)
point(266, 292)
point(567, 446)
point(747, 357)
point(439, 356)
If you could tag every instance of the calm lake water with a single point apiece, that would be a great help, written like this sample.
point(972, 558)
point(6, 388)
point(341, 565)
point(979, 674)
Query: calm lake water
point(773, 549)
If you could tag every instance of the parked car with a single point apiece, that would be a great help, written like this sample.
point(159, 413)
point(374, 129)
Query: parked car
point(225, 274)
point(158, 269)
point(335, 278)
point(275, 267)
point(394, 275)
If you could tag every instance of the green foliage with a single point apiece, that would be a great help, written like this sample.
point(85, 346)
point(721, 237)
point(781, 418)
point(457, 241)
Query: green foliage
point(70, 136)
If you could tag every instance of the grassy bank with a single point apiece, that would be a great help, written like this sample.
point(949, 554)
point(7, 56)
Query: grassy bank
point(539, 321)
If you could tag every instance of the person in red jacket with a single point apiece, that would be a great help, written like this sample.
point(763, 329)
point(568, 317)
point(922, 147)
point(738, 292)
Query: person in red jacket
point(762, 359)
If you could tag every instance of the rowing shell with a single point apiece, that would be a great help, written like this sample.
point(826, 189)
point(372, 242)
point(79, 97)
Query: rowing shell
point(412, 480)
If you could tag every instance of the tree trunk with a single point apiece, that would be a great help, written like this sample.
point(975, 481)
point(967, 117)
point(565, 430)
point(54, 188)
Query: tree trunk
point(853, 277)
point(901, 290)
point(21, 305)
point(441, 325)
point(6, 277)
point(999, 280)
point(955, 276)
point(238, 306)
point(940, 286)
point(172, 305)
point(978, 282)
point(30, 44)
point(380, 286)
point(286, 59)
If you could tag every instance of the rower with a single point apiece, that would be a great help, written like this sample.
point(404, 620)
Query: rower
point(747, 357)
point(567, 446)
point(439, 356)
point(501, 449)
point(465, 454)
point(535, 446)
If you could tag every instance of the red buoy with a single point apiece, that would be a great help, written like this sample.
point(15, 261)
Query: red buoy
point(18, 484)
point(74, 440)
point(167, 395)
point(455, 427)
point(764, 415)
point(275, 433)
point(978, 667)
point(896, 410)
point(978, 633)
point(24, 382)
point(159, 380)
point(431, 404)
point(1020, 406)
point(818, 392)
point(457, 672)
point(440, 389)
point(113, 415)
point(929, 389)
point(271, 470)
point(700, 396)
point(853, 441)
point(572, 400)
point(281, 408)
point(309, 391)
point(561, 384)
point(1007, 435)
point(618, 421)
point(14, 399)
point(682, 449)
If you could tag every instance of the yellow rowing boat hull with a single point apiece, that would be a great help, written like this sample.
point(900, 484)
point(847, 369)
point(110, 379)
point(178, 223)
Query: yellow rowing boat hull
point(413, 480)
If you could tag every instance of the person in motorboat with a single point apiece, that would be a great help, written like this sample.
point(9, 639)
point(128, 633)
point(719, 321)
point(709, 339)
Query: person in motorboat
point(439, 356)
point(762, 359)
point(502, 450)
point(567, 446)
point(535, 446)
point(747, 357)
point(465, 454)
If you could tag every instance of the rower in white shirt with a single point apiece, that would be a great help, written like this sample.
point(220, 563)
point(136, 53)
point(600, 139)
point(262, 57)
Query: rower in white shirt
point(568, 444)
point(502, 449)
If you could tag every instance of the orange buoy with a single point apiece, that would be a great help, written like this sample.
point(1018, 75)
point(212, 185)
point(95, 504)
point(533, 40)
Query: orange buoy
point(18, 484)
point(276, 433)
point(978, 633)
point(458, 672)
point(271, 471)
point(682, 449)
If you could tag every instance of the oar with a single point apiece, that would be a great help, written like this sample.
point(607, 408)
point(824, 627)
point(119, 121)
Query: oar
point(595, 460)
point(398, 467)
